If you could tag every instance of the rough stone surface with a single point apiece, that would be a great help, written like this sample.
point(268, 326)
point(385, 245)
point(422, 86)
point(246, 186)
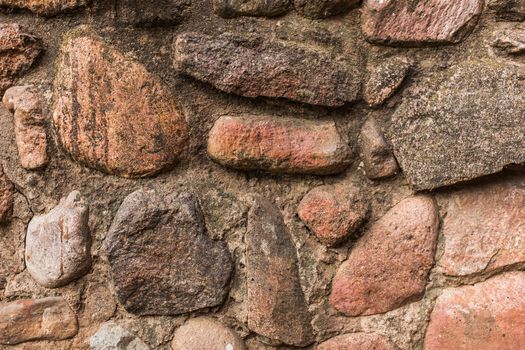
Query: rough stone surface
point(254, 66)
point(384, 80)
point(111, 336)
point(97, 89)
point(420, 22)
point(324, 8)
point(484, 228)
point(276, 304)
point(510, 43)
point(333, 212)
point(278, 145)
point(161, 260)
point(357, 341)
point(443, 134)
point(389, 265)
point(18, 51)
point(30, 128)
point(152, 12)
point(58, 243)
point(485, 316)
point(25, 320)
point(235, 8)
point(508, 10)
point(378, 158)
point(7, 194)
point(45, 7)
point(206, 333)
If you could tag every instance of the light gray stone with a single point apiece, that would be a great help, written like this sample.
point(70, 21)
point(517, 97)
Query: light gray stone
point(111, 336)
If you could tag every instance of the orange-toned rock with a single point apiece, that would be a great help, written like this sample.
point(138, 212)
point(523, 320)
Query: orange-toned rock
point(378, 157)
point(111, 114)
point(278, 145)
point(7, 194)
point(206, 333)
point(420, 22)
point(356, 341)
point(45, 7)
point(333, 212)
point(389, 265)
point(486, 316)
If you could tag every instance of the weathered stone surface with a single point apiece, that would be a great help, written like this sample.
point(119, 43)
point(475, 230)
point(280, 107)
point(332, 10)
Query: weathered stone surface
point(151, 12)
point(45, 7)
point(508, 10)
point(276, 304)
point(485, 316)
point(324, 8)
point(510, 43)
point(419, 22)
point(444, 134)
point(257, 66)
point(378, 158)
point(357, 341)
point(333, 212)
point(206, 333)
point(384, 80)
point(389, 265)
point(161, 260)
point(278, 145)
point(18, 51)
point(25, 320)
point(97, 89)
point(257, 8)
point(111, 336)
point(30, 129)
point(484, 228)
point(58, 243)
point(7, 197)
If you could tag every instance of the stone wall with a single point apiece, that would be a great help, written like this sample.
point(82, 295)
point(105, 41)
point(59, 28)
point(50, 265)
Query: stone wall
point(249, 174)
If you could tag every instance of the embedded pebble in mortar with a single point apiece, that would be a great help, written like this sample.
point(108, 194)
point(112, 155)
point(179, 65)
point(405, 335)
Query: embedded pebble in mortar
point(206, 333)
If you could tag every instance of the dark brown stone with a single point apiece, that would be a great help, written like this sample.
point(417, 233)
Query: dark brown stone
point(324, 8)
point(45, 7)
point(7, 196)
point(256, 8)
point(151, 12)
point(161, 260)
point(508, 10)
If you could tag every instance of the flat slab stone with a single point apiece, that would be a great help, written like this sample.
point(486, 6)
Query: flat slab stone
point(444, 134)
point(254, 66)
point(255, 8)
point(45, 7)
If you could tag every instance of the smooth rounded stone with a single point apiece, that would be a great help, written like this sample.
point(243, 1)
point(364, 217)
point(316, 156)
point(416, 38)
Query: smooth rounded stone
point(45, 7)
point(278, 145)
point(390, 264)
point(30, 125)
point(97, 89)
point(276, 305)
point(257, 66)
point(333, 212)
point(484, 229)
point(37, 319)
point(161, 260)
point(443, 134)
point(378, 159)
point(111, 336)
point(58, 243)
point(508, 10)
point(19, 49)
point(384, 80)
point(205, 333)
point(151, 12)
point(324, 8)
point(420, 22)
point(255, 8)
point(7, 197)
point(486, 316)
point(357, 341)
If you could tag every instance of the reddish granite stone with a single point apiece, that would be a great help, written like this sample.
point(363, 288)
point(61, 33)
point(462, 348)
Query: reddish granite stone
point(357, 341)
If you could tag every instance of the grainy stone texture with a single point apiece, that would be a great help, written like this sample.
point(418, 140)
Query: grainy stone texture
point(25, 320)
point(384, 80)
point(278, 145)
point(257, 8)
point(389, 265)
point(324, 8)
point(254, 66)
point(378, 159)
point(58, 243)
point(152, 12)
point(510, 43)
point(276, 304)
point(357, 341)
point(485, 316)
point(30, 125)
point(45, 7)
point(19, 49)
point(7, 197)
point(443, 134)
point(508, 10)
point(206, 333)
point(161, 260)
point(419, 22)
point(97, 89)
point(484, 228)
point(111, 336)
point(333, 212)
